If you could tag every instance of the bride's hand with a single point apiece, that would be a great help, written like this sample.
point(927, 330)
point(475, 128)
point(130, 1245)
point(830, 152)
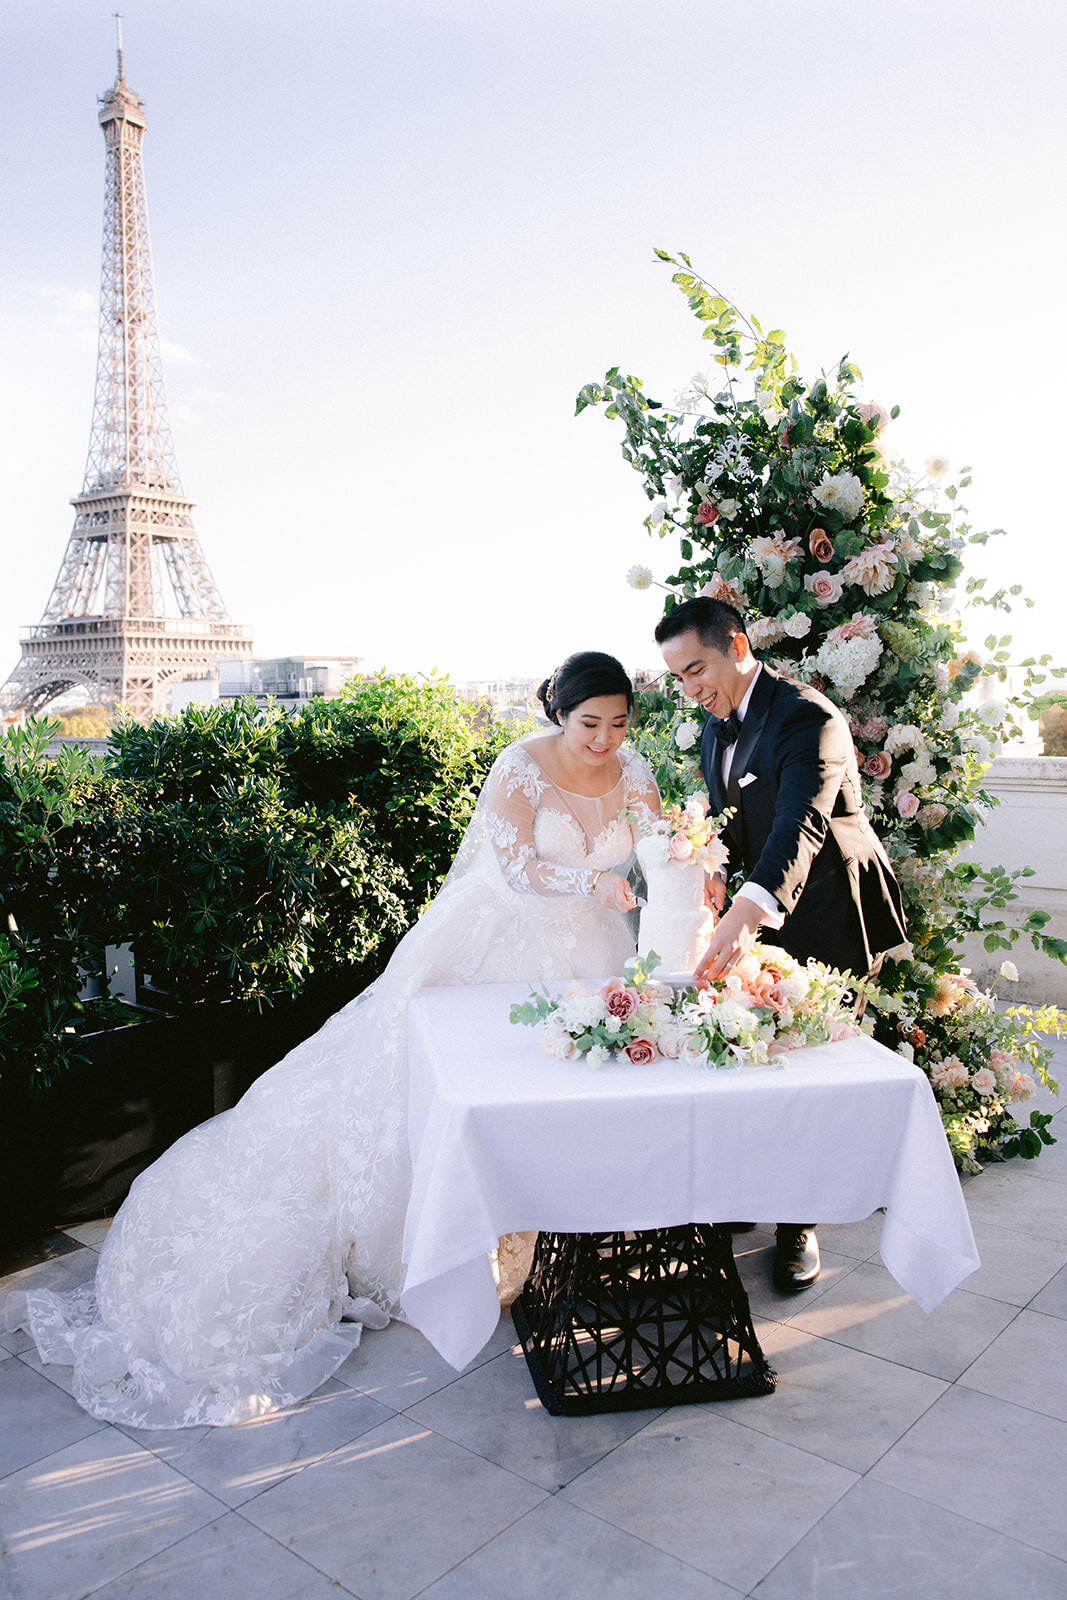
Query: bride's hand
point(613, 891)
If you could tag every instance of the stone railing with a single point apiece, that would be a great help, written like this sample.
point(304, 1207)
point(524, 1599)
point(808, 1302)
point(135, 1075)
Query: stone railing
point(1027, 829)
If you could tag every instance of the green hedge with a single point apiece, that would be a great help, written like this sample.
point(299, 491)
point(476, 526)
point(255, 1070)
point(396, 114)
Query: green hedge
point(240, 851)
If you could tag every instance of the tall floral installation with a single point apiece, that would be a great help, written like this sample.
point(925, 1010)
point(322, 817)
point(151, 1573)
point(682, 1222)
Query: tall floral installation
point(787, 504)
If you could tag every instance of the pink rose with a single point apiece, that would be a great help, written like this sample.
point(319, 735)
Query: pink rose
point(620, 1002)
point(821, 545)
point(907, 804)
point(984, 1081)
point(642, 1052)
point(841, 1030)
point(874, 415)
point(779, 997)
point(827, 587)
point(706, 514)
point(878, 765)
point(679, 848)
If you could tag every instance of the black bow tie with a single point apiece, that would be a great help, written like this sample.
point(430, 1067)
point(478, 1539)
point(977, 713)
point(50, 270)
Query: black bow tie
point(726, 729)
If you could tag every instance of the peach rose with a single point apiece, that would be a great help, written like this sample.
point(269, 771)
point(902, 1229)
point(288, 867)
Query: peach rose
point(984, 1081)
point(907, 804)
point(747, 969)
point(821, 545)
point(642, 1052)
point(878, 765)
point(761, 988)
point(679, 848)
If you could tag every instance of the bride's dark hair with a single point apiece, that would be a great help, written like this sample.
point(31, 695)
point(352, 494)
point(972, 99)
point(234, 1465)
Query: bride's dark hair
point(584, 676)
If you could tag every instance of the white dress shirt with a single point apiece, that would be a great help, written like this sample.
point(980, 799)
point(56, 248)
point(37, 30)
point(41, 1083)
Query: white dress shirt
point(772, 914)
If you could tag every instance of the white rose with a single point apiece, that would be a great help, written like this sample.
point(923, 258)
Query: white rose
point(992, 712)
point(686, 735)
point(1009, 971)
point(949, 717)
point(798, 626)
point(658, 512)
point(729, 509)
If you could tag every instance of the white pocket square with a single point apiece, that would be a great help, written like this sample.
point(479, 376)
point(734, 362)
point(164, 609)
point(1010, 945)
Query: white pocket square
point(749, 777)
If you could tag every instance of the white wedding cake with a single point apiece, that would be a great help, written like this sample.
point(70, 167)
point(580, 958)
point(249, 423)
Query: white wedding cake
point(675, 922)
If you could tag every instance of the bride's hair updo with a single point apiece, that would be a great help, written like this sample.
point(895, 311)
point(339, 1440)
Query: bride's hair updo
point(584, 676)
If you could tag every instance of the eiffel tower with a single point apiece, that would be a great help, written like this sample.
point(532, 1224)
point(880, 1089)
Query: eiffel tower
point(135, 606)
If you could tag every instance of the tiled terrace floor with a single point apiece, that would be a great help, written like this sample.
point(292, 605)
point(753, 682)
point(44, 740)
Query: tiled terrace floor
point(902, 1455)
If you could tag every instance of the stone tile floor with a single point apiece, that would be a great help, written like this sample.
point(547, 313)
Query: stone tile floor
point(902, 1455)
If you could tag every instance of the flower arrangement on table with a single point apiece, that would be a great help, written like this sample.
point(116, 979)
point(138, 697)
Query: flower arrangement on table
point(770, 1004)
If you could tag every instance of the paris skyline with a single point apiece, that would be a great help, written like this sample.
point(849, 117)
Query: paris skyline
point(392, 242)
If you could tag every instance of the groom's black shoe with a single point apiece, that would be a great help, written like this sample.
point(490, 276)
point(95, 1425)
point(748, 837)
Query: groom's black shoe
point(796, 1257)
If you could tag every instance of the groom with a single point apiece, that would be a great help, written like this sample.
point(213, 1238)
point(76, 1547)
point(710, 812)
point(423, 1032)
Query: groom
point(816, 875)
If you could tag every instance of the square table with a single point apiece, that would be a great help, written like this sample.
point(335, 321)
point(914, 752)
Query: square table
point(506, 1139)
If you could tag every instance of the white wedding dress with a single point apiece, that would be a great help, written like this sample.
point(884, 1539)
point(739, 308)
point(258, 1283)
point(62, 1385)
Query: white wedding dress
point(236, 1276)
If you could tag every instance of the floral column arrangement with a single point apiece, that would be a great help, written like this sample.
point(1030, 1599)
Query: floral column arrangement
point(787, 504)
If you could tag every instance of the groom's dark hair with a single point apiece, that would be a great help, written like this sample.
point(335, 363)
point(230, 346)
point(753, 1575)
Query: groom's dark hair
point(712, 620)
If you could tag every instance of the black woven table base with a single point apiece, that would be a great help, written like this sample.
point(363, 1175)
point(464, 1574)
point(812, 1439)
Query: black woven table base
point(620, 1321)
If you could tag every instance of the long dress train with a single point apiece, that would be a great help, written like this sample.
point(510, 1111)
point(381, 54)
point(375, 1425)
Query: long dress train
point(237, 1274)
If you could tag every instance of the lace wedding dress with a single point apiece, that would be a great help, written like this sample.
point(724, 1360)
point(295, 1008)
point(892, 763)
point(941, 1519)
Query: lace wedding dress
point(238, 1272)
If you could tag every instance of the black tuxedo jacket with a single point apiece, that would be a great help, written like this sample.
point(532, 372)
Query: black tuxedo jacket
point(799, 828)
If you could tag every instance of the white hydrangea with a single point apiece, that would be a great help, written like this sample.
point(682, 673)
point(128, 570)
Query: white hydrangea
point(976, 744)
point(597, 1055)
point(848, 662)
point(950, 716)
point(772, 566)
point(841, 492)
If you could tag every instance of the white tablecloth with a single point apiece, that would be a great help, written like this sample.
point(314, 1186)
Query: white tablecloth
point(503, 1138)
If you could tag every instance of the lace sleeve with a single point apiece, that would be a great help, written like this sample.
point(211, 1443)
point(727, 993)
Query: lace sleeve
point(510, 799)
point(642, 793)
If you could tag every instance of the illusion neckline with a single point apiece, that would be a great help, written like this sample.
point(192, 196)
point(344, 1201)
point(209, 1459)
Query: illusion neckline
point(575, 794)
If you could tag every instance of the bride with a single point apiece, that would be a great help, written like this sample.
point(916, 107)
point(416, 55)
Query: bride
point(226, 1277)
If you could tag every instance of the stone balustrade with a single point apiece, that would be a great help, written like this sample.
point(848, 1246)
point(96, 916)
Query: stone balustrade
point(1027, 829)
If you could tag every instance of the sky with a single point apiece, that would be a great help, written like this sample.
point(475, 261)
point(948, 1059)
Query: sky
point(393, 238)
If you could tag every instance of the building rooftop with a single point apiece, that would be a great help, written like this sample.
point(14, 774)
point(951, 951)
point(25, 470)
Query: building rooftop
point(902, 1454)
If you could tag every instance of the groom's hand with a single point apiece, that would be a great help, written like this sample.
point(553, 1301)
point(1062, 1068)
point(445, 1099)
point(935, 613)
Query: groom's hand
point(715, 891)
point(733, 938)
